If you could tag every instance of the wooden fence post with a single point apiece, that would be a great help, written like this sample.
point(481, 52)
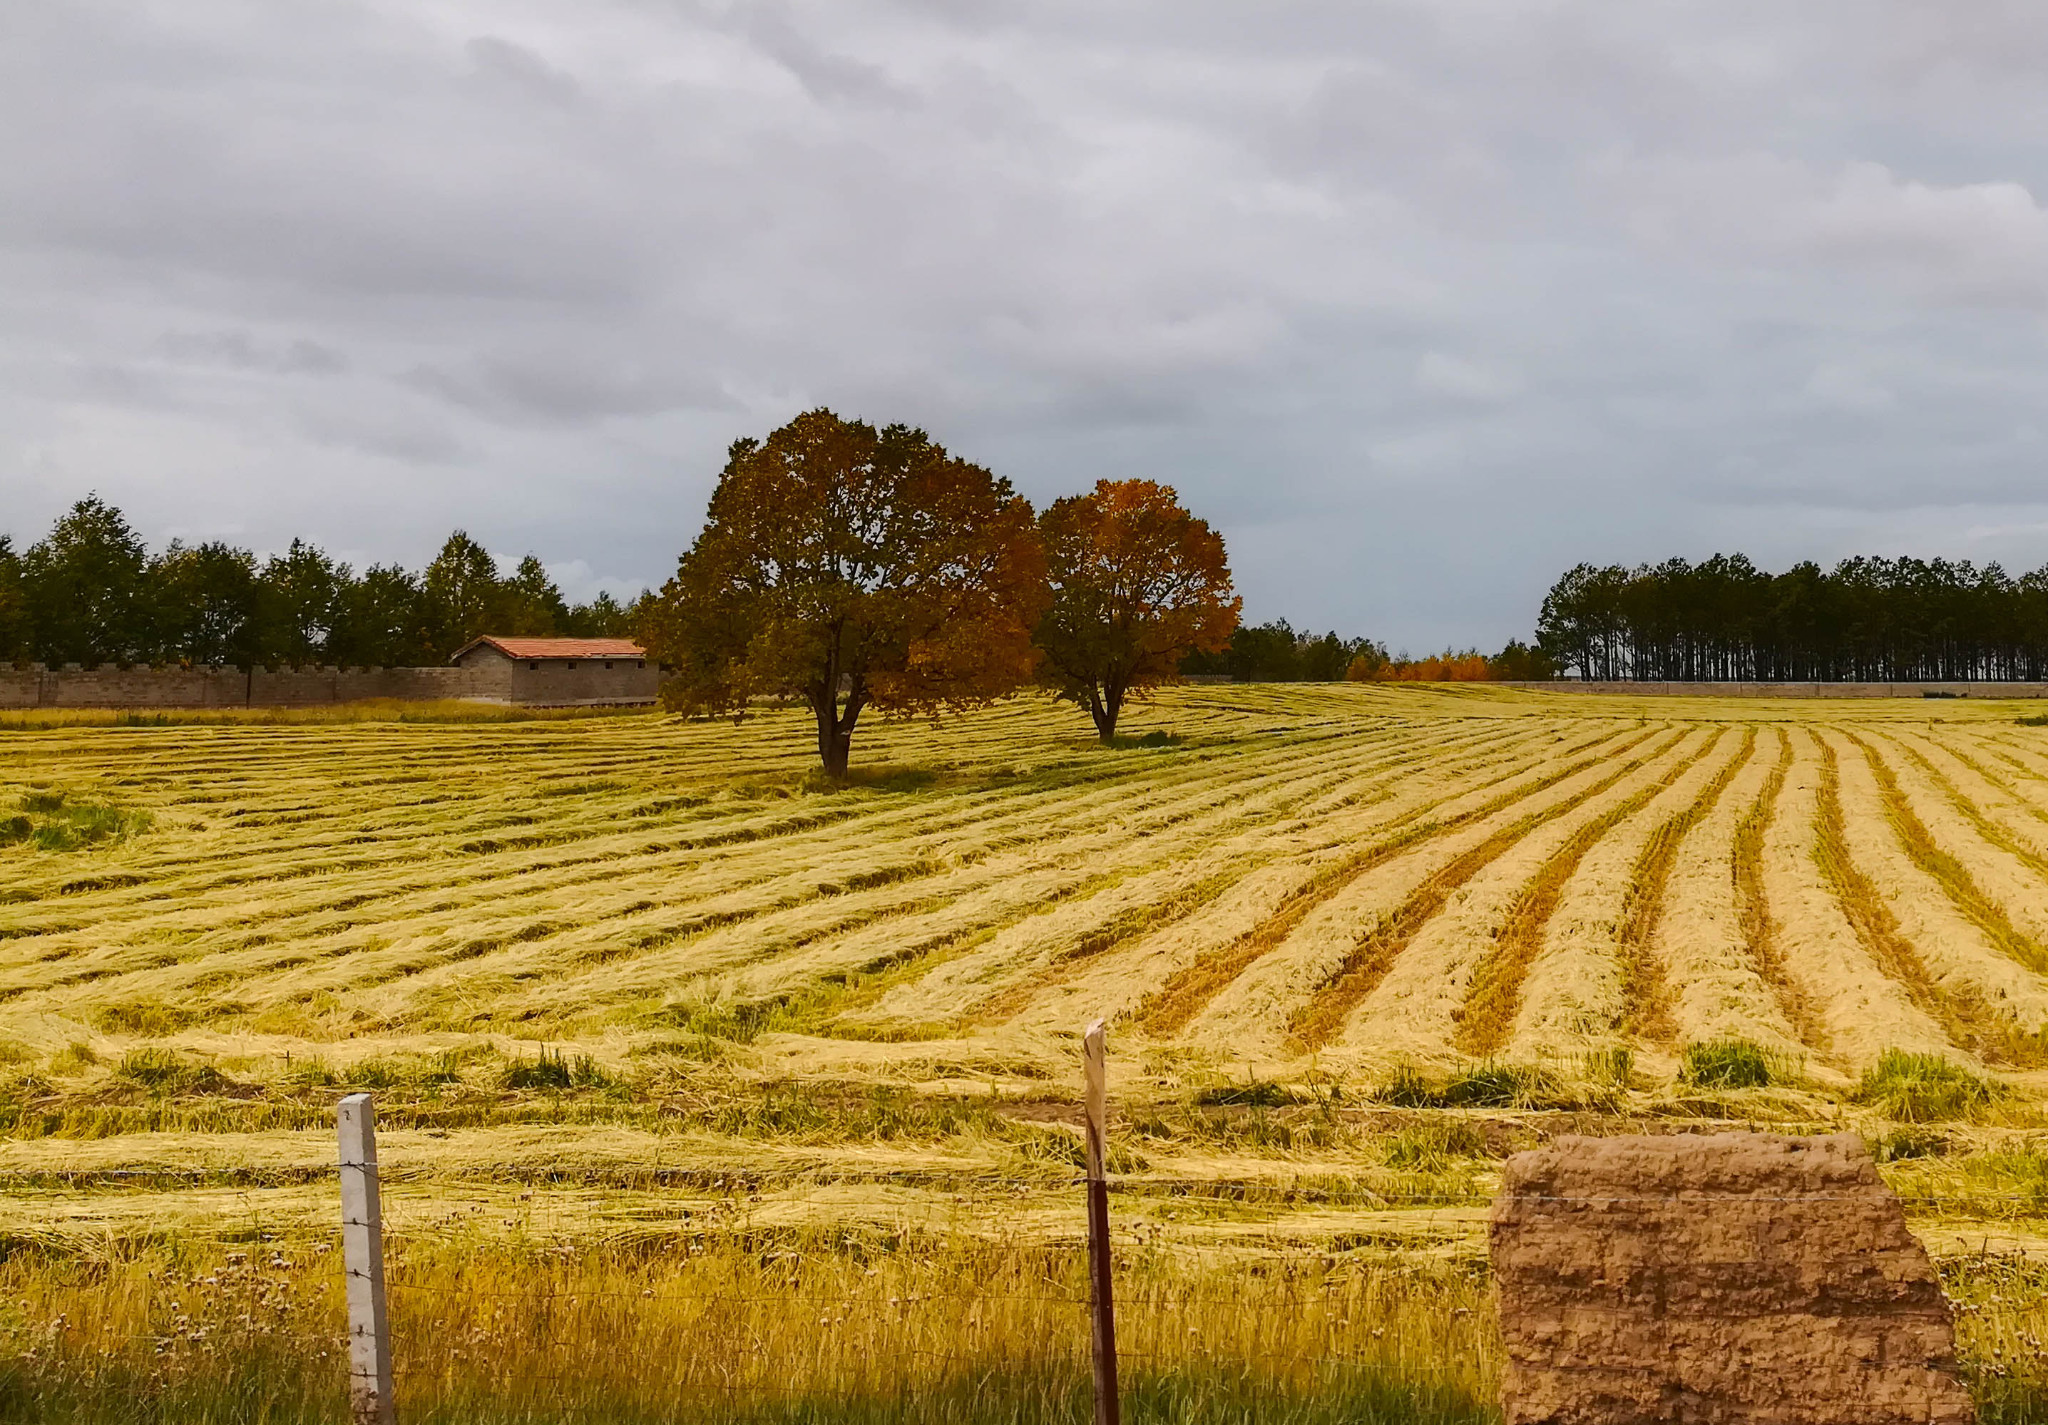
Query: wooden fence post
point(1094, 1058)
point(362, 1256)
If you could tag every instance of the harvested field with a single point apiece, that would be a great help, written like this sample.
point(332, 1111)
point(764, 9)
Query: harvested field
point(628, 984)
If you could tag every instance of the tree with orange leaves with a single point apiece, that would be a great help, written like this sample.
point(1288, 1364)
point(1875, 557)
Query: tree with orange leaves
point(1138, 583)
point(853, 568)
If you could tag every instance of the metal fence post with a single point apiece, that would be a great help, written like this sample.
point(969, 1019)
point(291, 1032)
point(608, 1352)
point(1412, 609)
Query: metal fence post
point(362, 1255)
point(1094, 1058)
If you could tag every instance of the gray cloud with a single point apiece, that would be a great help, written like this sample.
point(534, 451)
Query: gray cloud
point(1420, 302)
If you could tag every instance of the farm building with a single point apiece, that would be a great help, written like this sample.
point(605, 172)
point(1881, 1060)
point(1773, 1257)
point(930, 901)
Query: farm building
point(560, 672)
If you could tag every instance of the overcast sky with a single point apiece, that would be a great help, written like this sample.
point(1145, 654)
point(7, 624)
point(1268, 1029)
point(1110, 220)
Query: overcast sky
point(1419, 302)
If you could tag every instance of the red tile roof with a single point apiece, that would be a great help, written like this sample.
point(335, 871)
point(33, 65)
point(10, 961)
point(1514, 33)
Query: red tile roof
point(531, 648)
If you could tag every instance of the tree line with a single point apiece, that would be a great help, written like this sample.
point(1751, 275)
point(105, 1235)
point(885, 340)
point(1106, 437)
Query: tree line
point(1277, 653)
point(1866, 620)
point(90, 592)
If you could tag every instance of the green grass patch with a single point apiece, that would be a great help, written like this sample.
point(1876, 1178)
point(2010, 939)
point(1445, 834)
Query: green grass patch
point(1922, 1088)
point(1726, 1064)
point(556, 1072)
point(53, 820)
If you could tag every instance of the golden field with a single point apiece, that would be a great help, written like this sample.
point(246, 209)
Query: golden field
point(655, 1017)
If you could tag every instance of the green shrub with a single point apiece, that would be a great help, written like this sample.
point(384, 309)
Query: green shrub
point(1725, 1064)
point(1922, 1088)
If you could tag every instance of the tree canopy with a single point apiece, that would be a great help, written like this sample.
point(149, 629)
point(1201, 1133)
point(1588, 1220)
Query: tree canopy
point(851, 567)
point(1869, 619)
point(1137, 584)
point(90, 592)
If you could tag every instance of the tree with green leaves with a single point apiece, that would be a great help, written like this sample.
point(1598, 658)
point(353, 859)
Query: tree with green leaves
point(207, 604)
point(463, 594)
point(301, 592)
point(534, 606)
point(16, 636)
point(84, 586)
point(852, 568)
point(381, 622)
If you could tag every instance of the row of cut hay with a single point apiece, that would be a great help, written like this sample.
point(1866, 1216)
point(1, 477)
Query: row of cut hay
point(1127, 884)
point(1305, 873)
point(1980, 821)
point(271, 912)
point(396, 960)
point(1646, 991)
point(1709, 948)
point(1414, 1009)
point(1966, 938)
point(1307, 851)
point(1856, 1004)
point(1577, 994)
point(1243, 997)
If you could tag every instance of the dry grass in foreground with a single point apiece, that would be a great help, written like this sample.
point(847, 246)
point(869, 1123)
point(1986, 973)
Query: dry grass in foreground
point(785, 1327)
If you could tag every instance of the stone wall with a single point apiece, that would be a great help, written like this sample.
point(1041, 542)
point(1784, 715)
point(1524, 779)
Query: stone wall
point(110, 687)
point(1793, 690)
point(1715, 1279)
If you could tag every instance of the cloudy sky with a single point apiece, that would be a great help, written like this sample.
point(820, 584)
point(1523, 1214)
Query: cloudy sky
point(1419, 302)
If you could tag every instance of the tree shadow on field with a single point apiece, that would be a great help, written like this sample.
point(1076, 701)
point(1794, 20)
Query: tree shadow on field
point(883, 777)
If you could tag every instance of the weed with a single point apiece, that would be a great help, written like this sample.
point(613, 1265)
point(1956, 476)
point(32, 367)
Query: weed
point(1253, 1093)
point(556, 1072)
point(1922, 1088)
point(1905, 1144)
point(162, 1072)
point(1726, 1064)
point(146, 1019)
point(1614, 1067)
point(1430, 1146)
point(1494, 1085)
point(1410, 1089)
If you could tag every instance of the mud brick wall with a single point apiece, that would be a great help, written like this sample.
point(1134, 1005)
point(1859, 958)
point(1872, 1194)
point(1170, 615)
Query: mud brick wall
point(1716, 1278)
point(110, 687)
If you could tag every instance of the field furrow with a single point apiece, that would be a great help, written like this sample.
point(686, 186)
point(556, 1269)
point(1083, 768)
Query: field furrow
point(1403, 995)
point(1595, 979)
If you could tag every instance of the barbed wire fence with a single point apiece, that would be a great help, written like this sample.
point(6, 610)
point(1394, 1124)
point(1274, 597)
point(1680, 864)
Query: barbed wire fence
point(379, 1379)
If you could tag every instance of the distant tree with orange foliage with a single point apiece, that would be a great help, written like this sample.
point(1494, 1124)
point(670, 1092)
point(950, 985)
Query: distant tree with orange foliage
point(1446, 667)
point(851, 567)
point(1138, 583)
point(1515, 663)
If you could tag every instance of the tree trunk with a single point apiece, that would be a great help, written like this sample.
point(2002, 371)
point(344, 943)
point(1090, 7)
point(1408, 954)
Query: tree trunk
point(1104, 704)
point(835, 724)
point(834, 746)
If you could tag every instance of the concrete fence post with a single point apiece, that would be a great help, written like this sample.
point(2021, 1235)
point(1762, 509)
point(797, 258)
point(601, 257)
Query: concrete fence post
point(1094, 1058)
point(362, 1256)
